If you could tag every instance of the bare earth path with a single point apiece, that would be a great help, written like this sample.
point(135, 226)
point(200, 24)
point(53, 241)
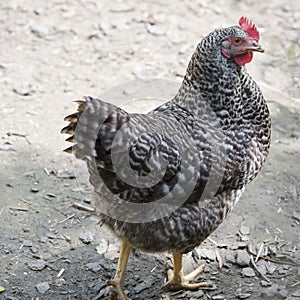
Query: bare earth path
point(53, 52)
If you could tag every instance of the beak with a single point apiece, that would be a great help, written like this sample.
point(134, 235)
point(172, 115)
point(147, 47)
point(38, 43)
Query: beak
point(254, 46)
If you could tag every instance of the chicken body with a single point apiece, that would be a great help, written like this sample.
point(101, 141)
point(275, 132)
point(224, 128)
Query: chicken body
point(217, 126)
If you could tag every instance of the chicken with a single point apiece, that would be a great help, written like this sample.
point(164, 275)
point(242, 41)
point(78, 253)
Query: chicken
point(164, 181)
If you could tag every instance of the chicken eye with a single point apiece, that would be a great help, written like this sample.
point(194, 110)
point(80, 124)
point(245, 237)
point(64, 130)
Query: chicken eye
point(237, 41)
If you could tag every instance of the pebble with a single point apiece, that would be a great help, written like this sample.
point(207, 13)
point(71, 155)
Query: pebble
point(207, 254)
point(94, 267)
point(271, 291)
point(283, 293)
point(245, 230)
point(33, 249)
point(22, 90)
point(296, 294)
point(6, 147)
point(156, 30)
point(42, 287)
point(39, 30)
point(239, 245)
point(230, 257)
point(242, 258)
point(248, 272)
point(199, 294)
point(43, 239)
point(34, 189)
point(37, 265)
point(51, 236)
point(265, 283)
point(244, 295)
point(283, 270)
point(218, 297)
point(27, 243)
point(296, 216)
point(86, 237)
point(262, 266)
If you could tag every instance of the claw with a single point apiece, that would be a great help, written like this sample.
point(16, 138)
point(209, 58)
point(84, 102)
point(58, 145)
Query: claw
point(178, 281)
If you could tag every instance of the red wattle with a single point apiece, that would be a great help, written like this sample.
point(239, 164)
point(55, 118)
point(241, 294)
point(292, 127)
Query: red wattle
point(241, 60)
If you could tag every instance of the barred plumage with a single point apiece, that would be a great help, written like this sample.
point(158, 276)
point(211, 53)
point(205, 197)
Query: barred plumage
point(172, 148)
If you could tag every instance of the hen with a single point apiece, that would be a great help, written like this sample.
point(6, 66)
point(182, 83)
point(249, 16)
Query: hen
point(165, 180)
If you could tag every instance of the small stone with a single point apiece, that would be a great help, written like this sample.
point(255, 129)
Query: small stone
point(199, 294)
point(244, 295)
point(242, 258)
point(42, 287)
point(283, 293)
point(43, 239)
point(248, 272)
point(6, 147)
point(296, 294)
point(245, 230)
point(27, 243)
point(230, 257)
point(282, 271)
point(39, 31)
point(207, 254)
point(51, 195)
point(271, 291)
point(156, 30)
point(262, 266)
point(37, 265)
point(218, 297)
point(87, 200)
point(239, 245)
point(33, 249)
point(34, 189)
point(51, 236)
point(265, 283)
point(296, 216)
point(22, 90)
point(86, 237)
point(94, 267)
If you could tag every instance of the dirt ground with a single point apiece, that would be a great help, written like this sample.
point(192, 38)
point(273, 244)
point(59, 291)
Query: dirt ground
point(53, 52)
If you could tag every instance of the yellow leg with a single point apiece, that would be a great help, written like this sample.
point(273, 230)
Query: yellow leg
point(179, 281)
point(117, 284)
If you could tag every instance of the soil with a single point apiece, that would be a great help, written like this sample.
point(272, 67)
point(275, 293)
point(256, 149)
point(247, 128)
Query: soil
point(54, 52)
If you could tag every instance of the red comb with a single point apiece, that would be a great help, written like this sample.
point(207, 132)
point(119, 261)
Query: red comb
point(249, 28)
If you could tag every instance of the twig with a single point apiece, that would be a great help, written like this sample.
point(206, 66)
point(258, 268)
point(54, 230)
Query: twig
point(46, 171)
point(219, 258)
point(25, 201)
point(296, 283)
point(212, 241)
point(19, 208)
point(66, 219)
point(67, 238)
point(20, 135)
point(60, 272)
point(259, 252)
point(83, 207)
point(255, 266)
